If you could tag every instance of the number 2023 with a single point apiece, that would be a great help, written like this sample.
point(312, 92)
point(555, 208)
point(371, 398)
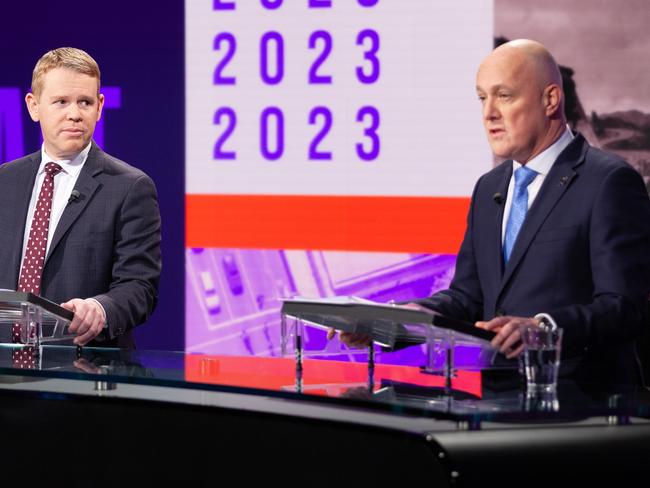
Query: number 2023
point(272, 57)
point(272, 133)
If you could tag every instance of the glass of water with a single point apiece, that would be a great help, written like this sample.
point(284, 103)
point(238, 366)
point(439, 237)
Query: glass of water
point(542, 347)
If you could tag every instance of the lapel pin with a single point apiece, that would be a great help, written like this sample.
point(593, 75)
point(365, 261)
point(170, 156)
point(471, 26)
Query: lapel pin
point(563, 180)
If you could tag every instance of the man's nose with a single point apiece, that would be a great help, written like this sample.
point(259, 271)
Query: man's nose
point(73, 112)
point(490, 111)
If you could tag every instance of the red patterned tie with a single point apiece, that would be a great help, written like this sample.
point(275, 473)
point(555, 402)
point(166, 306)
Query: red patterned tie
point(30, 273)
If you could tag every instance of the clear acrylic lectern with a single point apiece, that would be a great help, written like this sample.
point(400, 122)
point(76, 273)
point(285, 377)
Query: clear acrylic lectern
point(389, 325)
point(40, 320)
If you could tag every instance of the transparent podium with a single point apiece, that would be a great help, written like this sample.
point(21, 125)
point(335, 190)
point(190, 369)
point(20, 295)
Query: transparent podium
point(388, 325)
point(40, 321)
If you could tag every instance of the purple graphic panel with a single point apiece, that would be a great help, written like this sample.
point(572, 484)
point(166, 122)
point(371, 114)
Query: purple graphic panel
point(11, 124)
point(233, 295)
point(112, 100)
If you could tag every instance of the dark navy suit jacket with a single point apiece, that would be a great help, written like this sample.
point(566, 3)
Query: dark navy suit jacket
point(105, 246)
point(582, 256)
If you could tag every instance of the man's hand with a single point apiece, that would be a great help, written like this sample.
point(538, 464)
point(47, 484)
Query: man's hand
point(508, 329)
point(88, 319)
point(351, 339)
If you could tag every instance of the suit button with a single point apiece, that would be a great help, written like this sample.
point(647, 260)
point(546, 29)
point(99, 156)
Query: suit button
point(501, 312)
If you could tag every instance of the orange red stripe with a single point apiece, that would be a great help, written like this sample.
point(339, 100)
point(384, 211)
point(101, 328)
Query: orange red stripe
point(334, 376)
point(351, 223)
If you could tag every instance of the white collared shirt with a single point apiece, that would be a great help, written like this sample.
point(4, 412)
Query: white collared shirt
point(64, 183)
point(542, 164)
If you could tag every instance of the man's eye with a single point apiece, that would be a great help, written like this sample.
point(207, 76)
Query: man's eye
point(504, 96)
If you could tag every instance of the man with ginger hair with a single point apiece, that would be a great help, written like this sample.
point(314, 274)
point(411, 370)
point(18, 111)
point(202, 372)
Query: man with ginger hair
point(80, 227)
point(558, 233)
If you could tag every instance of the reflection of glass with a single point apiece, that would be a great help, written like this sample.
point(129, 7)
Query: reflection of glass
point(541, 401)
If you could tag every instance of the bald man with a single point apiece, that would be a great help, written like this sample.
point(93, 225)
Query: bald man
point(558, 233)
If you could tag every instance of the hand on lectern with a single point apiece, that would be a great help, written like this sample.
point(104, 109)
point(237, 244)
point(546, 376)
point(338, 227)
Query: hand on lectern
point(508, 329)
point(88, 320)
point(351, 339)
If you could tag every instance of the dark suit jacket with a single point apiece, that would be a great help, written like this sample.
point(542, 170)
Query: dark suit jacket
point(582, 256)
point(106, 245)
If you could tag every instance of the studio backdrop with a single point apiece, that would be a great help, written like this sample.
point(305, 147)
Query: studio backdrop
point(314, 147)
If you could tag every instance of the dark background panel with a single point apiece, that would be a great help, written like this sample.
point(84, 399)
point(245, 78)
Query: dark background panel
point(139, 48)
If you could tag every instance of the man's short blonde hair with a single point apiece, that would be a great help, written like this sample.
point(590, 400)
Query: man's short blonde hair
point(64, 57)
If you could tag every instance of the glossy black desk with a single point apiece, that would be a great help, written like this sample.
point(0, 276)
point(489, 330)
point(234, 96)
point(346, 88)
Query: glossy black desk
point(112, 416)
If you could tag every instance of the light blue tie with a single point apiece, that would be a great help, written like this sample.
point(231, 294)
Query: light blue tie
point(523, 177)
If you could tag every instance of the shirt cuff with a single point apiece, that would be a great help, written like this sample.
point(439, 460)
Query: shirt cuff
point(103, 311)
point(545, 320)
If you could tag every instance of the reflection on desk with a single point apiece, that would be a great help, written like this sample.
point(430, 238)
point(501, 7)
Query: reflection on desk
point(268, 410)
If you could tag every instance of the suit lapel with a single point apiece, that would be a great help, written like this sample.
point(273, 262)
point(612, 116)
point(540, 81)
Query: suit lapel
point(24, 188)
point(555, 184)
point(86, 185)
point(496, 252)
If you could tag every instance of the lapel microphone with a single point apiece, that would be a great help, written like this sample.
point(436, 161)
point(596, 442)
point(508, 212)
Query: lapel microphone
point(498, 198)
point(74, 196)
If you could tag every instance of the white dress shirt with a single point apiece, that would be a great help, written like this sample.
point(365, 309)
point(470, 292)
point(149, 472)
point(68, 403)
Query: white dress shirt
point(542, 164)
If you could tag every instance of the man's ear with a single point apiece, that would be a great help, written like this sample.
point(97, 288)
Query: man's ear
point(32, 106)
point(552, 99)
point(100, 107)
